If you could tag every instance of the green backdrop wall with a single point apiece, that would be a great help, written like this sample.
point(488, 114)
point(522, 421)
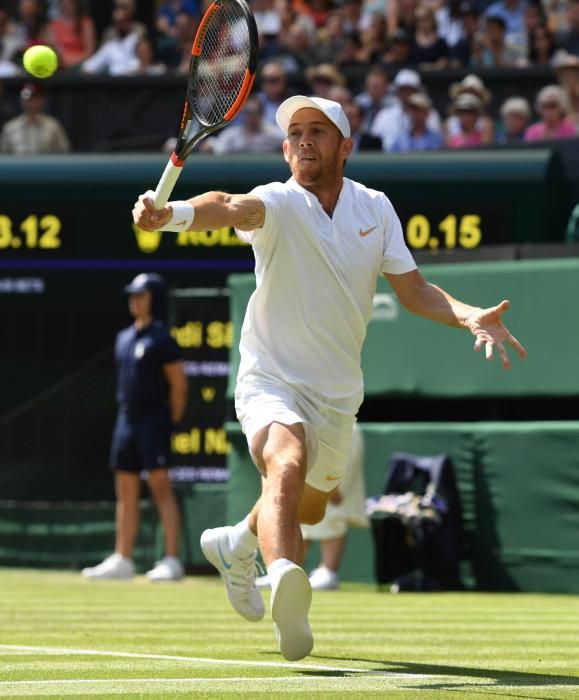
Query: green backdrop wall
point(406, 355)
point(519, 488)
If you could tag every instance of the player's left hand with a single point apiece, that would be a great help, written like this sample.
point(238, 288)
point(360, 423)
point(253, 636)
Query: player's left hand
point(146, 216)
point(489, 330)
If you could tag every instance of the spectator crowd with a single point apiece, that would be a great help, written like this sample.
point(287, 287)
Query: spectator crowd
point(325, 45)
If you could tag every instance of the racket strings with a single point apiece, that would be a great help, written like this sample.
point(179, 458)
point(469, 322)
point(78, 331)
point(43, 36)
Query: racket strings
point(222, 65)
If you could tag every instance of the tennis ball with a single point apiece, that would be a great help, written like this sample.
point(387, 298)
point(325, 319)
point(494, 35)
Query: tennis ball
point(40, 61)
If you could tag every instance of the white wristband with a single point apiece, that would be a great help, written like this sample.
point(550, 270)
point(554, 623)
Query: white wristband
point(183, 215)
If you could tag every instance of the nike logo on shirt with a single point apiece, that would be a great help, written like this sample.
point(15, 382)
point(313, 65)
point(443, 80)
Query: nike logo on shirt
point(367, 231)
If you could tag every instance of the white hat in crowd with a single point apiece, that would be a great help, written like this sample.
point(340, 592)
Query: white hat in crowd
point(516, 105)
point(407, 78)
point(332, 110)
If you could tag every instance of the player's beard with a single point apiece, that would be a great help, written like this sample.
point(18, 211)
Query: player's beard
point(319, 173)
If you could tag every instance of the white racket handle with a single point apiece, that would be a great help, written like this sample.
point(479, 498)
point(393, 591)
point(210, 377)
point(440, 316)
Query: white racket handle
point(167, 182)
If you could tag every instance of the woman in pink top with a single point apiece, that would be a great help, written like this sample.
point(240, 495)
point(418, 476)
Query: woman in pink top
point(553, 106)
point(72, 34)
point(467, 108)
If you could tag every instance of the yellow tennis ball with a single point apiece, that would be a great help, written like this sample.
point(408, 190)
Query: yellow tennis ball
point(40, 61)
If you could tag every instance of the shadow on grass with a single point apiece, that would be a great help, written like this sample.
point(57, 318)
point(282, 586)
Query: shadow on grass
point(498, 677)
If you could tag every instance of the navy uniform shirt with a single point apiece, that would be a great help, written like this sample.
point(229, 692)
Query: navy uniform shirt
point(140, 355)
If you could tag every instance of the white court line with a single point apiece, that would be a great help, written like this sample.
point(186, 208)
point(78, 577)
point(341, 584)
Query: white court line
point(202, 660)
point(228, 679)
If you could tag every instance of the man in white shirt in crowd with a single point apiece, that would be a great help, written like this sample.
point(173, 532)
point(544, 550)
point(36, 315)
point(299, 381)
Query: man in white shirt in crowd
point(320, 242)
point(33, 131)
point(117, 54)
point(250, 134)
point(395, 119)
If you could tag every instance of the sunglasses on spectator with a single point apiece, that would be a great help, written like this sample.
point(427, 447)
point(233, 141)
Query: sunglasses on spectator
point(549, 105)
point(271, 79)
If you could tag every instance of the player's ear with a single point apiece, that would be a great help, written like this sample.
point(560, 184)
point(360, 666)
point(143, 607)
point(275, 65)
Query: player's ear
point(285, 146)
point(347, 147)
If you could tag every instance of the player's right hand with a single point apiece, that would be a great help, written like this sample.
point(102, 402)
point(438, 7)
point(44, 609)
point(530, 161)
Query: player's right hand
point(146, 216)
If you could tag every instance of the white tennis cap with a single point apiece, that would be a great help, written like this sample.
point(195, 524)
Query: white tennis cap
point(332, 110)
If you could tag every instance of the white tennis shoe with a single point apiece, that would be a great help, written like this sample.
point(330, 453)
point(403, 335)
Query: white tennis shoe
point(324, 579)
point(114, 567)
point(238, 574)
point(168, 569)
point(290, 604)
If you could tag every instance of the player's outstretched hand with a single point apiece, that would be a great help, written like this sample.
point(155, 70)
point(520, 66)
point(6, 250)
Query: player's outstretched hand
point(487, 327)
point(146, 216)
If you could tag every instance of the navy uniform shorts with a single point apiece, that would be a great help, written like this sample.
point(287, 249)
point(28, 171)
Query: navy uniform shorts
point(143, 443)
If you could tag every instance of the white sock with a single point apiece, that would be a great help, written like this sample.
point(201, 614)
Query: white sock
point(241, 539)
point(275, 570)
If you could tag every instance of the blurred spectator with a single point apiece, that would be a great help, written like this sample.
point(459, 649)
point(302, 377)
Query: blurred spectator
point(494, 51)
point(10, 46)
point(167, 15)
point(376, 95)
point(567, 71)
point(557, 18)
point(471, 85)
point(512, 12)
point(534, 17)
point(553, 107)
point(33, 132)
point(6, 109)
point(331, 38)
point(273, 90)
point(372, 40)
point(71, 34)
point(323, 77)
point(416, 136)
point(117, 53)
point(516, 115)
point(569, 41)
point(350, 56)
point(449, 21)
point(252, 135)
point(401, 14)
point(31, 23)
point(175, 52)
point(398, 51)
point(541, 46)
point(468, 109)
point(146, 52)
point(351, 11)
point(363, 140)
point(267, 17)
point(429, 50)
point(296, 50)
point(393, 120)
point(340, 94)
point(318, 10)
point(465, 50)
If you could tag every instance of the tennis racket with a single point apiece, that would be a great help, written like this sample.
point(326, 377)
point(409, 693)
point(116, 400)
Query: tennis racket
point(221, 74)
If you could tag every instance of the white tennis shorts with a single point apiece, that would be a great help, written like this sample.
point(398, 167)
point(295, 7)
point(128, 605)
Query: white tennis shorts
point(262, 399)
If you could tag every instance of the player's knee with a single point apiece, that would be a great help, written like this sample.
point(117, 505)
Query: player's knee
point(283, 468)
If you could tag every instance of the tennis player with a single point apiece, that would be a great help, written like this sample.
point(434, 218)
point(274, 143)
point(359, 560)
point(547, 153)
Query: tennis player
point(320, 241)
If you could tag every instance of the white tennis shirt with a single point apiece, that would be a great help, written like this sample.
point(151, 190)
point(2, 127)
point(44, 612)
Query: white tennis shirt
point(315, 282)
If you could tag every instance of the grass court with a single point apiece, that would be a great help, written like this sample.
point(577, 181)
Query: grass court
point(64, 637)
